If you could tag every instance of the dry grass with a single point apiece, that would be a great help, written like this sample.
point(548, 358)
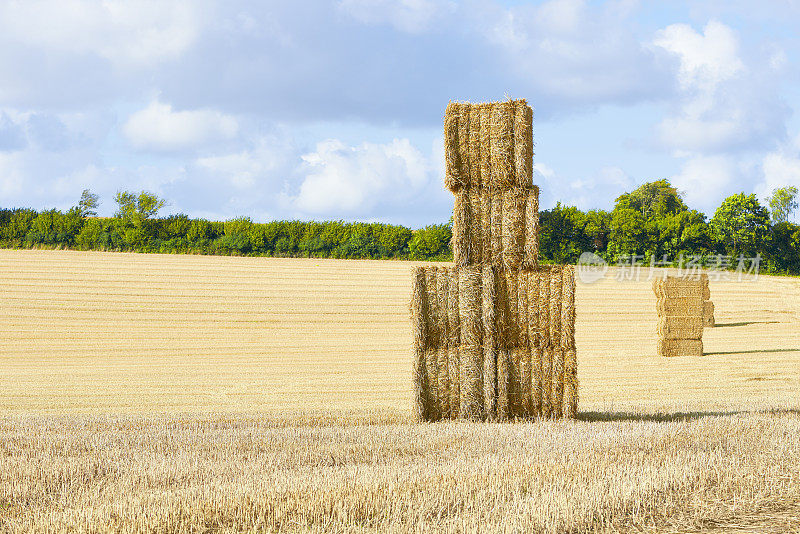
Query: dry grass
point(123, 336)
point(244, 473)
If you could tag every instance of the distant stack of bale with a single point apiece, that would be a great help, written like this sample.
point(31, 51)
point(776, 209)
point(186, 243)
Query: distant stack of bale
point(679, 302)
point(708, 306)
point(494, 334)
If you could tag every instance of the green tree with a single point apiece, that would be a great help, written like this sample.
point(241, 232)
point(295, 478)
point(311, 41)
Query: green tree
point(88, 204)
point(431, 242)
point(134, 213)
point(136, 209)
point(653, 199)
point(562, 238)
point(784, 248)
point(782, 203)
point(741, 225)
point(597, 229)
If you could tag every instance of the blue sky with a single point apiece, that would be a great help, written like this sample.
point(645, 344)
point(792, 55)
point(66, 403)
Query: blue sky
point(333, 110)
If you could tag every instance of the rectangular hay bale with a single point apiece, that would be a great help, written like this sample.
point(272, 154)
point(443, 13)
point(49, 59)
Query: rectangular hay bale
point(680, 347)
point(690, 327)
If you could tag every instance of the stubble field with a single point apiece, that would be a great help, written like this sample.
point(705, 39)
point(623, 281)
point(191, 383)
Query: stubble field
point(192, 392)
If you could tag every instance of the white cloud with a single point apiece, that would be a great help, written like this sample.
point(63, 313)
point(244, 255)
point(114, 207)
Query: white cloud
point(123, 32)
point(706, 59)
point(600, 189)
point(571, 51)
point(706, 180)
point(157, 127)
point(244, 169)
point(725, 104)
point(411, 16)
point(343, 179)
point(11, 177)
point(780, 168)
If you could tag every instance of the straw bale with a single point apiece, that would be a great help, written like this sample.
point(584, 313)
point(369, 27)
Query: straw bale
point(502, 146)
point(442, 292)
point(544, 307)
point(469, 305)
point(486, 228)
point(462, 229)
point(455, 177)
point(680, 327)
point(515, 404)
point(547, 380)
point(477, 229)
point(680, 347)
point(454, 370)
point(432, 371)
point(557, 382)
point(570, 404)
point(680, 306)
point(708, 314)
point(471, 381)
point(555, 305)
point(463, 143)
point(567, 307)
point(454, 339)
point(513, 231)
point(474, 148)
point(485, 164)
point(672, 287)
point(531, 252)
point(496, 233)
point(534, 333)
point(453, 318)
point(523, 143)
point(418, 321)
point(502, 384)
point(489, 342)
point(706, 288)
point(434, 314)
point(509, 304)
point(537, 379)
point(525, 355)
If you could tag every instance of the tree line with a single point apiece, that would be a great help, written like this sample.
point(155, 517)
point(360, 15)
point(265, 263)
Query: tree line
point(650, 223)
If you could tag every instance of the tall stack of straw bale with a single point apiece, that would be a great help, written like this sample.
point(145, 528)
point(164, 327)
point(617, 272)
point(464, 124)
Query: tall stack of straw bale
point(679, 302)
point(494, 334)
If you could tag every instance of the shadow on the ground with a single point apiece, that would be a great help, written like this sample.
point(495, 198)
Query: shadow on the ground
point(727, 325)
point(748, 351)
point(669, 417)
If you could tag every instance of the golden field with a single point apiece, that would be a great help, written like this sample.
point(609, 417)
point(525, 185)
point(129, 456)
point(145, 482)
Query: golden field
point(194, 393)
point(110, 332)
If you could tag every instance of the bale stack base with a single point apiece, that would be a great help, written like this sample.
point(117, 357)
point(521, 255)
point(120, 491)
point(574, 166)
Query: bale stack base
point(513, 361)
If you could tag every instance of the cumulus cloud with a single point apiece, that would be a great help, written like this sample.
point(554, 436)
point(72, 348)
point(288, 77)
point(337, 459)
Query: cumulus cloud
point(122, 32)
point(570, 53)
point(412, 16)
point(725, 104)
point(248, 167)
point(600, 188)
point(706, 180)
point(344, 179)
point(12, 134)
point(780, 168)
point(158, 127)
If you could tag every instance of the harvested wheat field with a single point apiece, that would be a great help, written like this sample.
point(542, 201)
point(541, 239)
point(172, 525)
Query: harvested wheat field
point(192, 393)
point(111, 332)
